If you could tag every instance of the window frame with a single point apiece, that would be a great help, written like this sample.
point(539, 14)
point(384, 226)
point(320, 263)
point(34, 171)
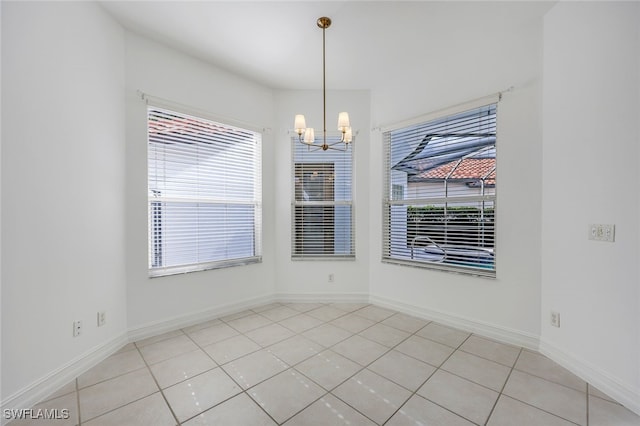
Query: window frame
point(392, 191)
point(155, 201)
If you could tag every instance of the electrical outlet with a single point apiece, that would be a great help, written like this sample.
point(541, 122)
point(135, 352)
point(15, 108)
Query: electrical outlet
point(102, 318)
point(331, 278)
point(77, 328)
point(602, 232)
point(609, 232)
point(555, 319)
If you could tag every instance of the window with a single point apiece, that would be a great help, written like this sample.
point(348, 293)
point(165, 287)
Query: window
point(439, 207)
point(204, 194)
point(322, 208)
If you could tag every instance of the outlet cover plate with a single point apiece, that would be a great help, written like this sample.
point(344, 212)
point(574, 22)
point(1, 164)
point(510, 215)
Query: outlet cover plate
point(602, 232)
point(77, 328)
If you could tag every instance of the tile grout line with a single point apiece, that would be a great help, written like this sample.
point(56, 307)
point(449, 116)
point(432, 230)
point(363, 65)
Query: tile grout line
point(543, 410)
point(246, 391)
point(293, 366)
point(325, 322)
point(137, 348)
point(385, 353)
point(522, 349)
point(512, 368)
point(218, 365)
point(253, 401)
point(132, 401)
point(77, 389)
point(110, 378)
point(330, 392)
point(323, 348)
point(326, 348)
point(303, 408)
point(524, 402)
point(587, 396)
point(501, 393)
point(415, 393)
point(550, 380)
point(504, 385)
point(242, 390)
point(164, 397)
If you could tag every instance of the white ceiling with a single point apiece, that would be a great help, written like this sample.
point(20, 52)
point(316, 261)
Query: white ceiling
point(279, 45)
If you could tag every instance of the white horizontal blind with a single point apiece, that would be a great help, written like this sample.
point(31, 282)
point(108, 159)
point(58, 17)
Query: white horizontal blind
point(204, 193)
point(440, 192)
point(322, 201)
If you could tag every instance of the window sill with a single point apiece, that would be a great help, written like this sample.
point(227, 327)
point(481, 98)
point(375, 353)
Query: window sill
point(185, 269)
point(456, 269)
point(331, 257)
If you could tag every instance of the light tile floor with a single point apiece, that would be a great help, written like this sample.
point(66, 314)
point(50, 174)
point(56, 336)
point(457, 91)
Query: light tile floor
point(329, 364)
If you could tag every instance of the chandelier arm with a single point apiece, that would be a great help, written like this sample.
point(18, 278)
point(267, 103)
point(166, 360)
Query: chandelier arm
point(333, 144)
point(341, 148)
point(314, 148)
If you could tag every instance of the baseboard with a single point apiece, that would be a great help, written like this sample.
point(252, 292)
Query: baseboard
point(492, 331)
point(322, 297)
point(47, 385)
point(186, 320)
point(181, 321)
point(593, 375)
point(37, 391)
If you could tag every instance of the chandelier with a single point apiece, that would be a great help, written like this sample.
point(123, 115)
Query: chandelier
point(343, 118)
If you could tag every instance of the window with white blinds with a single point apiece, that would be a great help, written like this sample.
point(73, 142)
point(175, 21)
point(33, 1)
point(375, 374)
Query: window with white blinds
point(440, 192)
point(322, 202)
point(205, 208)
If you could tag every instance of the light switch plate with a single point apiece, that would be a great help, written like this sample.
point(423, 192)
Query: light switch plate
point(602, 232)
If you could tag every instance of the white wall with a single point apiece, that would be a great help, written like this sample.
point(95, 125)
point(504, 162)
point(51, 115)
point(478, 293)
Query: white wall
point(507, 307)
point(591, 116)
point(63, 146)
point(299, 280)
point(167, 74)
point(74, 219)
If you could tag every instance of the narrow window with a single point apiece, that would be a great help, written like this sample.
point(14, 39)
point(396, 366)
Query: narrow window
point(322, 206)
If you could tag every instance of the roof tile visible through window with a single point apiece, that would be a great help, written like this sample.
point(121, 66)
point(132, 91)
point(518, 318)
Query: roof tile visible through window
point(469, 168)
